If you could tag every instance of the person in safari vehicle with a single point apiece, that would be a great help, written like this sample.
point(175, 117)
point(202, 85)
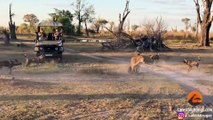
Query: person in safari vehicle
point(50, 45)
point(41, 34)
point(57, 34)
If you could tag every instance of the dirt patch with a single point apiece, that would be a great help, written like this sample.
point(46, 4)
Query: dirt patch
point(205, 83)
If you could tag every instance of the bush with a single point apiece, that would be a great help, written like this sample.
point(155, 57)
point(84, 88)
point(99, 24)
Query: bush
point(26, 29)
point(68, 28)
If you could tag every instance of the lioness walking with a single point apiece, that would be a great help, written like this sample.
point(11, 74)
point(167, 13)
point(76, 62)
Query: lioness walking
point(135, 60)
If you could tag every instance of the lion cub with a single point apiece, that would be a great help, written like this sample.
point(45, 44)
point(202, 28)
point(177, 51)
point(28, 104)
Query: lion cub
point(135, 60)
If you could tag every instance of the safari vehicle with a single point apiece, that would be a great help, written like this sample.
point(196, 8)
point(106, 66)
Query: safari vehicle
point(49, 45)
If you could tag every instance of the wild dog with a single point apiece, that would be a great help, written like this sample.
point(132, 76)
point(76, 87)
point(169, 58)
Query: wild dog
point(10, 64)
point(135, 60)
point(191, 63)
point(37, 60)
point(155, 57)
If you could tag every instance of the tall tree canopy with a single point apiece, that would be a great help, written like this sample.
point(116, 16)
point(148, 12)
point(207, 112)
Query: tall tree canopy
point(31, 18)
point(88, 16)
point(134, 27)
point(65, 17)
point(82, 12)
point(99, 23)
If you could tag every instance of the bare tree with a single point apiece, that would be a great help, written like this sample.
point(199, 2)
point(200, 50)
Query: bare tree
point(120, 34)
point(154, 31)
point(186, 22)
point(205, 21)
point(78, 8)
point(82, 11)
point(99, 23)
point(153, 40)
point(112, 24)
point(88, 17)
point(12, 25)
point(160, 30)
point(174, 29)
point(122, 19)
point(149, 28)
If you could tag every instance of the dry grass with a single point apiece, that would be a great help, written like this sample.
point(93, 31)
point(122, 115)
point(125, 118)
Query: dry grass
point(46, 67)
point(206, 83)
point(92, 91)
point(87, 88)
point(90, 97)
point(26, 37)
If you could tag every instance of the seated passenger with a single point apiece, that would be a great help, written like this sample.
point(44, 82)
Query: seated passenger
point(41, 34)
point(56, 34)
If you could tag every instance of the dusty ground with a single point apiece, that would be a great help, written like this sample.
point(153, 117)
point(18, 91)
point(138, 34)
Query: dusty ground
point(95, 84)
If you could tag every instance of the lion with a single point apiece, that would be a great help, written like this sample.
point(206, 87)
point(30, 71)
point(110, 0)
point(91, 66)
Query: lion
point(135, 60)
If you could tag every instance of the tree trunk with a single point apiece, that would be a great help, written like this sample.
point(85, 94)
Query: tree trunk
point(79, 28)
point(197, 32)
point(206, 22)
point(97, 29)
point(86, 29)
point(204, 41)
point(12, 31)
point(79, 25)
point(122, 19)
point(12, 25)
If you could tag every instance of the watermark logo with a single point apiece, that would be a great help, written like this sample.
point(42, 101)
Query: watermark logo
point(195, 98)
point(181, 115)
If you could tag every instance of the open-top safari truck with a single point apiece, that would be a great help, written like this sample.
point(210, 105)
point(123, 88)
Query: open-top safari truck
point(49, 45)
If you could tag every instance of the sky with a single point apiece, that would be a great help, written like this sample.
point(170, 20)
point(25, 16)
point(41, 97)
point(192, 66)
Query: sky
point(172, 11)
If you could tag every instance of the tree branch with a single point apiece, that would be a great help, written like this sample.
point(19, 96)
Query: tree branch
point(125, 14)
point(198, 11)
point(111, 31)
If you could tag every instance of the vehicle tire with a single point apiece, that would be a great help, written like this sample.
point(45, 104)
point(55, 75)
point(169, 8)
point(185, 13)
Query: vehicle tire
point(60, 58)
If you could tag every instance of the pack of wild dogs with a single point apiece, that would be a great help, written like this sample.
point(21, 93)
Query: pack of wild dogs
point(138, 59)
point(28, 61)
point(135, 61)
